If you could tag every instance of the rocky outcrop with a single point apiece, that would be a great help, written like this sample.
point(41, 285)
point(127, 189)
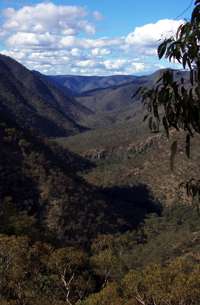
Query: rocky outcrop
point(122, 152)
point(145, 145)
point(96, 154)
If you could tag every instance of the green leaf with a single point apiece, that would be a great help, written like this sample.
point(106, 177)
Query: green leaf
point(195, 13)
point(185, 56)
point(189, 64)
point(151, 123)
point(155, 126)
point(174, 147)
point(187, 146)
point(165, 124)
point(179, 31)
point(162, 48)
point(192, 77)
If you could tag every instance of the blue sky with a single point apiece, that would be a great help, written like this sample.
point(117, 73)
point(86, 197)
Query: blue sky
point(88, 36)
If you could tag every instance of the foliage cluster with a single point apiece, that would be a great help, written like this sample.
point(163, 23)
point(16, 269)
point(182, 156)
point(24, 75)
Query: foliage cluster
point(157, 263)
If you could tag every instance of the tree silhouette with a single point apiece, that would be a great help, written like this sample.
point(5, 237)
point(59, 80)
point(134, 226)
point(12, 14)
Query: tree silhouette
point(173, 103)
point(180, 100)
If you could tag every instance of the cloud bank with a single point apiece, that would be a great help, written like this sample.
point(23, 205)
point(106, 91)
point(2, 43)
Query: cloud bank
point(61, 39)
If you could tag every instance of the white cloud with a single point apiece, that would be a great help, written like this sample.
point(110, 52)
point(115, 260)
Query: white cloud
point(138, 66)
point(69, 41)
point(89, 63)
point(75, 52)
point(115, 64)
point(150, 34)
point(47, 16)
point(100, 52)
point(85, 43)
point(27, 40)
point(61, 39)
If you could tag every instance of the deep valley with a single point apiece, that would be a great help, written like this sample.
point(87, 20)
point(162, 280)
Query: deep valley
point(92, 208)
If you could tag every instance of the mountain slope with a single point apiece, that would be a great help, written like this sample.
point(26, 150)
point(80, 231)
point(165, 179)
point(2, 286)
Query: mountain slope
point(37, 104)
point(110, 99)
point(124, 149)
point(120, 96)
point(62, 203)
point(80, 84)
point(40, 181)
point(120, 103)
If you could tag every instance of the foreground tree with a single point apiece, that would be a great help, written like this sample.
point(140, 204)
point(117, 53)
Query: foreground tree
point(173, 103)
point(179, 100)
point(175, 284)
point(70, 278)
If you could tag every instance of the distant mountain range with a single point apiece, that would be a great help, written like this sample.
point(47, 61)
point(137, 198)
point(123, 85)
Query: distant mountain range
point(59, 106)
point(119, 103)
point(79, 84)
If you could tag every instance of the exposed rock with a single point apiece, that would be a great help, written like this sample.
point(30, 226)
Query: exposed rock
point(96, 154)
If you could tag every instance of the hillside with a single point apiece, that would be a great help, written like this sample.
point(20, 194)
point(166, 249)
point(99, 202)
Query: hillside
point(120, 103)
point(127, 153)
point(55, 228)
point(124, 149)
point(99, 175)
point(162, 255)
point(81, 227)
point(118, 97)
point(64, 206)
point(77, 85)
point(36, 103)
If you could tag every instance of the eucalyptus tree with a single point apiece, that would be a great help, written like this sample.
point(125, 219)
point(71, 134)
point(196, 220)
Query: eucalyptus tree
point(174, 103)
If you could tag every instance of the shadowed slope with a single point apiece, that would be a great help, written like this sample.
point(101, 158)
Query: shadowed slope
point(37, 104)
